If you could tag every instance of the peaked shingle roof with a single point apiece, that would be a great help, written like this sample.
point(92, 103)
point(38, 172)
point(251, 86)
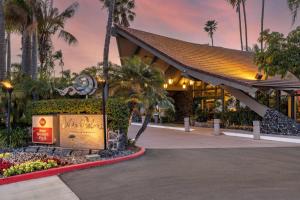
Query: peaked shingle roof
point(228, 63)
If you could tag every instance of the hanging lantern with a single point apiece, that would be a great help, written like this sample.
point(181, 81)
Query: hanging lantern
point(170, 81)
point(184, 86)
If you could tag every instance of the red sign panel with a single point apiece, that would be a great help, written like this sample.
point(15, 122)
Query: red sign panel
point(42, 135)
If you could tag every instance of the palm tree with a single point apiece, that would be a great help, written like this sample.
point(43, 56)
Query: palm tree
point(245, 23)
point(2, 43)
point(210, 28)
point(262, 24)
point(19, 15)
point(141, 84)
point(237, 4)
point(294, 6)
point(106, 46)
point(51, 21)
point(123, 11)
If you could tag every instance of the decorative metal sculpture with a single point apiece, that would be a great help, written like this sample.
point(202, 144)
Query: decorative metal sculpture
point(82, 85)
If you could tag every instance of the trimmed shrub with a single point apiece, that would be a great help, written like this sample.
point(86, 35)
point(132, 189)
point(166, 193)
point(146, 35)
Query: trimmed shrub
point(116, 109)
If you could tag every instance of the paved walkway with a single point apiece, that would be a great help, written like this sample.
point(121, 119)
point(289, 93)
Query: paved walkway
point(205, 167)
point(50, 188)
point(195, 174)
point(156, 138)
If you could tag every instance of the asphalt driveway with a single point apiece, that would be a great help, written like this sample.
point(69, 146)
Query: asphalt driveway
point(226, 174)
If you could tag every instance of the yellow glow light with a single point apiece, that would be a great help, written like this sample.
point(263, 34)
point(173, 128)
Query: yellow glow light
point(184, 86)
point(192, 82)
point(7, 84)
point(170, 81)
point(165, 85)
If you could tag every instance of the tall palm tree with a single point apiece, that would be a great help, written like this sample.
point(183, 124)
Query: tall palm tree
point(245, 23)
point(294, 6)
point(210, 28)
point(237, 5)
point(141, 84)
point(262, 24)
point(19, 15)
point(51, 21)
point(2, 42)
point(106, 46)
point(123, 11)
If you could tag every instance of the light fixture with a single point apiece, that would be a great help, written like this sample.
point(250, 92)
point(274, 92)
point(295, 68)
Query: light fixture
point(165, 85)
point(170, 81)
point(8, 87)
point(192, 82)
point(184, 86)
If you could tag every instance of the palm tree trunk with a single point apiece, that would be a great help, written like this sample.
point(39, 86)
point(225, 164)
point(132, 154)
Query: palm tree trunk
point(240, 26)
point(212, 40)
point(34, 56)
point(2, 43)
point(262, 23)
point(245, 21)
point(144, 126)
point(8, 68)
point(26, 53)
point(106, 46)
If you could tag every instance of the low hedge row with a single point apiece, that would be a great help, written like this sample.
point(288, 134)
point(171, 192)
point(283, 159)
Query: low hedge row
point(117, 109)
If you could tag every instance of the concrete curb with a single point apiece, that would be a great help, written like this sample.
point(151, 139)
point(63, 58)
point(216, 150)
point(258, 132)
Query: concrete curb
point(69, 168)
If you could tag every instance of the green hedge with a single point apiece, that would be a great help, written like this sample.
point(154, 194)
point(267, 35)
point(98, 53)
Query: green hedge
point(117, 109)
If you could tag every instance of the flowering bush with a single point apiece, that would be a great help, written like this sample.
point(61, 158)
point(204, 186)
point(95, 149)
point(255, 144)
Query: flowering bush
point(5, 155)
point(29, 166)
point(57, 160)
point(4, 165)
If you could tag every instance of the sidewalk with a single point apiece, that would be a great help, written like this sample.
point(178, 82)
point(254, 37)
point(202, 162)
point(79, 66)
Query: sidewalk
point(50, 188)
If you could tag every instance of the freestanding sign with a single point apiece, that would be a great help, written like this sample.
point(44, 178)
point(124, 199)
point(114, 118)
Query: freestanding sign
point(43, 129)
point(81, 131)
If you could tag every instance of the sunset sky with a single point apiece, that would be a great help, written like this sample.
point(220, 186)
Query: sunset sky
point(182, 19)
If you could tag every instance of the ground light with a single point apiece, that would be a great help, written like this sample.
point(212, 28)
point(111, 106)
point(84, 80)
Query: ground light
point(102, 84)
point(8, 87)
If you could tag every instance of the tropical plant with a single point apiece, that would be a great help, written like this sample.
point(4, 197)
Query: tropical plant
point(123, 11)
point(51, 22)
point(294, 6)
point(142, 84)
point(2, 42)
point(280, 54)
point(236, 4)
point(18, 137)
point(210, 28)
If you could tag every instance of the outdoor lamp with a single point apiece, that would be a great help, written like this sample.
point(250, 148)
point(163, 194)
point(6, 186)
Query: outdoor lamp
point(192, 82)
point(165, 85)
point(8, 87)
point(170, 81)
point(184, 86)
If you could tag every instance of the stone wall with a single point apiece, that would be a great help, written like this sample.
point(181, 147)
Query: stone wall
point(277, 123)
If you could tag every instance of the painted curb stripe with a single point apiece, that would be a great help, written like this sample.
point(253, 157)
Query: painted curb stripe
point(163, 127)
point(60, 170)
point(263, 137)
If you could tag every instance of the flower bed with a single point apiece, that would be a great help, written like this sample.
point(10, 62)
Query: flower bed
point(31, 159)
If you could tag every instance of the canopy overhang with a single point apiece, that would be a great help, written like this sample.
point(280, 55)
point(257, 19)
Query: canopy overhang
point(214, 65)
